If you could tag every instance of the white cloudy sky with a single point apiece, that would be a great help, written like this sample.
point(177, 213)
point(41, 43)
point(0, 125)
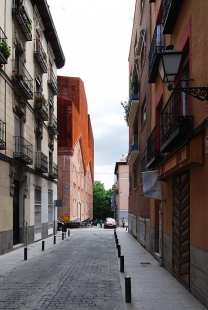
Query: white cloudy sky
point(95, 37)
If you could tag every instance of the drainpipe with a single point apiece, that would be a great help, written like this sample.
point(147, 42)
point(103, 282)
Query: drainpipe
point(161, 234)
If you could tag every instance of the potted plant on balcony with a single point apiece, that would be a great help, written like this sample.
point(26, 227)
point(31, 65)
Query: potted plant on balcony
point(39, 101)
point(134, 85)
point(17, 74)
point(125, 105)
point(5, 49)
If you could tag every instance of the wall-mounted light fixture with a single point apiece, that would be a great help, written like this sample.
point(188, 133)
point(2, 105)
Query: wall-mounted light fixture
point(168, 67)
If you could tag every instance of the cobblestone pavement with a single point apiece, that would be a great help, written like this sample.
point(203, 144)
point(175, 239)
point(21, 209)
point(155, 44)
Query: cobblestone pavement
point(79, 273)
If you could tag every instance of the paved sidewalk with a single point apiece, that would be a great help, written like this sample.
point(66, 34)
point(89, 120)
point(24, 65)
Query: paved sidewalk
point(152, 286)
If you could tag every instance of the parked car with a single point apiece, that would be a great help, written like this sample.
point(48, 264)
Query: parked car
point(109, 223)
point(59, 225)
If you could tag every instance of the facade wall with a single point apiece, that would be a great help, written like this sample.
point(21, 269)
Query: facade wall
point(122, 190)
point(75, 152)
point(138, 62)
point(185, 161)
point(28, 144)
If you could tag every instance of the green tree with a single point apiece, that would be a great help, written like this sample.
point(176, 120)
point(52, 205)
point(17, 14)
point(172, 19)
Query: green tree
point(101, 201)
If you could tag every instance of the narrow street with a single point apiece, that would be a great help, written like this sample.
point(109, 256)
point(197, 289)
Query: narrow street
point(79, 273)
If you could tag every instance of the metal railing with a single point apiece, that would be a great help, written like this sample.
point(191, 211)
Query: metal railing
point(23, 150)
point(53, 170)
point(52, 82)
point(156, 48)
point(19, 13)
point(40, 105)
point(41, 162)
point(40, 55)
point(153, 144)
point(52, 124)
point(2, 135)
point(22, 79)
point(3, 40)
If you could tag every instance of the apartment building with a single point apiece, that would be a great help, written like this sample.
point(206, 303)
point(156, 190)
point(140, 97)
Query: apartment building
point(138, 120)
point(75, 152)
point(121, 173)
point(30, 54)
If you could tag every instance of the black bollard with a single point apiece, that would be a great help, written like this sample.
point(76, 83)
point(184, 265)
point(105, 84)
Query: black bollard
point(54, 239)
point(126, 228)
point(43, 245)
point(114, 232)
point(68, 233)
point(115, 236)
point(62, 236)
point(122, 263)
point(128, 289)
point(119, 250)
point(25, 253)
point(116, 243)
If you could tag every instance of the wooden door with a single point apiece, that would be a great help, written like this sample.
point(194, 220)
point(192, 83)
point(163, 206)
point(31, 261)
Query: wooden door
point(181, 226)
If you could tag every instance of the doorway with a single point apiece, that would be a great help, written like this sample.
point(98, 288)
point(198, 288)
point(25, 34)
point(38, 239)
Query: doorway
point(16, 228)
point(181, 226)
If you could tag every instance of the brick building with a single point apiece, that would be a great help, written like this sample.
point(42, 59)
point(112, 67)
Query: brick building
point(138, 120)
point(75, 152)
point(177, 143)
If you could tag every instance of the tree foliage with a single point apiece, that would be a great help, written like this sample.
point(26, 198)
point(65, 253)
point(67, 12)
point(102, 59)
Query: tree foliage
point(101, 201)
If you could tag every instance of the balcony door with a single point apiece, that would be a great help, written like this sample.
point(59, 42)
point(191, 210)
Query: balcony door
point(185, 83)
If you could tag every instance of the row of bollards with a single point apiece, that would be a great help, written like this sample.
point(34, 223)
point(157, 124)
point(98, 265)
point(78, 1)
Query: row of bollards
point(127, 279)
point(43, 243)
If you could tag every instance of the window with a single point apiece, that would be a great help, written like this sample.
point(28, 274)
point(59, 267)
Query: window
point(37, 224)
point(141, 49)
point(135, 178)
point(143, 166)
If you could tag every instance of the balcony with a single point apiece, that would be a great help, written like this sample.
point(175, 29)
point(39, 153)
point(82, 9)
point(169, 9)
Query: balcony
point(5, 49)
point(53, 171)
point(23, 150)
point(41, 162)
point(170, 13)
point(52, 82)
point(175, 126)
point(22, 79)
point(153, 147)
point(40, 55)
point(52, 124)
point(2, 135)
point(40, 106)
point(133, 107)
point(20, 15)
point(133, 150)
point(157, 47)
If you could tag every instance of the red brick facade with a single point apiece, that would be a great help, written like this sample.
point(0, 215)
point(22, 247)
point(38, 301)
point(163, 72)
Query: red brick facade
point(75, 151)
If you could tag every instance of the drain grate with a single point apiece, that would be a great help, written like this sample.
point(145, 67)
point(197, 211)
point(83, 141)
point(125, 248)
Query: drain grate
point(146, 264)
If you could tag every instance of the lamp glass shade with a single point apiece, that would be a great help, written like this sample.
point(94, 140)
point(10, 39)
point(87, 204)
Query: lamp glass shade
point(169, 65)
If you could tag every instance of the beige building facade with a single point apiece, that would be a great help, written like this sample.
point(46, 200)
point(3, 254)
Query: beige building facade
point(30, 53)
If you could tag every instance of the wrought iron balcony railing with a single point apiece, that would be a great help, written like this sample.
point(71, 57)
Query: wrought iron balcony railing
point(23, 150)
point(170, 14)
point(52, 124)
point(132, 108)
point(40, 106)
point(133, 150)
point(22, 79)
point(2, 135)
point(40, 55)
point(175, 125)
point(153, 147)
point(156, 48)
point(20, 15)
point(4, 48)
point(52, 82)
point(41, 162)
point(53, 170)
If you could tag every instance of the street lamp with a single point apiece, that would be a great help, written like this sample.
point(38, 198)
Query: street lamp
point(168, 68)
